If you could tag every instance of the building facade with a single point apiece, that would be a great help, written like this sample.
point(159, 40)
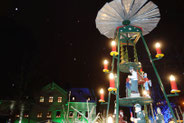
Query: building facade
point(55, 105)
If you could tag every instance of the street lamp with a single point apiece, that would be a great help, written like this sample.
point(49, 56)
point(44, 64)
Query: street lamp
point(158, 50)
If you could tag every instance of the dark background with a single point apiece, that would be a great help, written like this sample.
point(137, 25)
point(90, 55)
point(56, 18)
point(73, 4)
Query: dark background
point(56, 40)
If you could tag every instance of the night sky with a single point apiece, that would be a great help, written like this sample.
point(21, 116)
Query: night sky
point(56, 40)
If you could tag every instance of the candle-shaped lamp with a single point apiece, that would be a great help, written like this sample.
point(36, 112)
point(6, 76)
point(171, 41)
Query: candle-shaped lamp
point(113, 52)
point(158, 50)
point(174, 88)
point(131, 114)
point(101, 95)
point(109, 120)
point(111, 82)
point(105, 66)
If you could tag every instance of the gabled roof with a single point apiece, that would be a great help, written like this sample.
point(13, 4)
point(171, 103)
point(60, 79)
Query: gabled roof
point(52, 86)
point(82, 94)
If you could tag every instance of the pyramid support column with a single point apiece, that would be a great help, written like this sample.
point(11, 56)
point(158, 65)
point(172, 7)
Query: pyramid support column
point(118, 75)
point(159, 79)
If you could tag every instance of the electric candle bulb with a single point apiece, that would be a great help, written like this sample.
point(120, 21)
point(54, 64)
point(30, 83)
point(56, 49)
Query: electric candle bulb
point(101, 96)
point(172, 78)
point(113, 43)
point(105, 66)
point(112, 82)
point(113, 52)
point(174, 88)
point(158, 50)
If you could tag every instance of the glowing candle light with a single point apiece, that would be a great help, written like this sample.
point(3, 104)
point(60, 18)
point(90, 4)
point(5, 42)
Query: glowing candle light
point(174, 88)
point(101, 96)
point(112, 82)
point(105, 66)
point(158, 50)
point(113, 52)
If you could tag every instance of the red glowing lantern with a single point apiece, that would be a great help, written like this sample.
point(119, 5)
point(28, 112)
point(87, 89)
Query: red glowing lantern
point(112, 83)
point(158, 50)
point(174, 88)
point(113, 52)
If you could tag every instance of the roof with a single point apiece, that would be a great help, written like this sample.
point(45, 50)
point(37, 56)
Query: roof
point(82, 94)
point(53, 86)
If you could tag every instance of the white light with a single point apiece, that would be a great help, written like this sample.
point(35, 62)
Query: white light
point(144, 92)
point(105, 62)
point(157, 45)
point(101, 91)
point(111, 76)
point(110, 120)
point(16, 9)
point(172, 78)
point(113, 43)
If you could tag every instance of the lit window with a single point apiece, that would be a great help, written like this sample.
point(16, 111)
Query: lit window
point(59, 99)
point(49, 114)
point(71, 114)
point(89, 98)
point(39, 115)
point(50, 99)
point(17, 115)
point(26, 115)
point(73, 98)
point(41, 99)
point(58, 114)
point(79, 115)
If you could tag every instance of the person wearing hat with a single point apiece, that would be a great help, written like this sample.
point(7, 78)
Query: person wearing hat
point(140, 115)
point(134, 80)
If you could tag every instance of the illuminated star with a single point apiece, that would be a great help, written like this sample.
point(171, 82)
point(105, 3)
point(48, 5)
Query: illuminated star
point(16, 9)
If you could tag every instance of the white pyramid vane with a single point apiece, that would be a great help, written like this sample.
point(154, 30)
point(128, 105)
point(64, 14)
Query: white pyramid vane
point(139, 12)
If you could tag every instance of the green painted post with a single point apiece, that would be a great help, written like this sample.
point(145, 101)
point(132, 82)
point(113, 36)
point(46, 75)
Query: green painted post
point(158, 77)
point(108, 104)
point(117, 93)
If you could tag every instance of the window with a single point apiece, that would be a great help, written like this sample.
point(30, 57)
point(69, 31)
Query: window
point(86, 114)
point(59, 99)
point(50, 99)
point(26, 115)
point(89, 98)
point(79, 115)
point(41, 99)
point(71, 114)
point(73, 98)
point(17, 115)
point(49, 114)
point(39, 115)
point(58, 114)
